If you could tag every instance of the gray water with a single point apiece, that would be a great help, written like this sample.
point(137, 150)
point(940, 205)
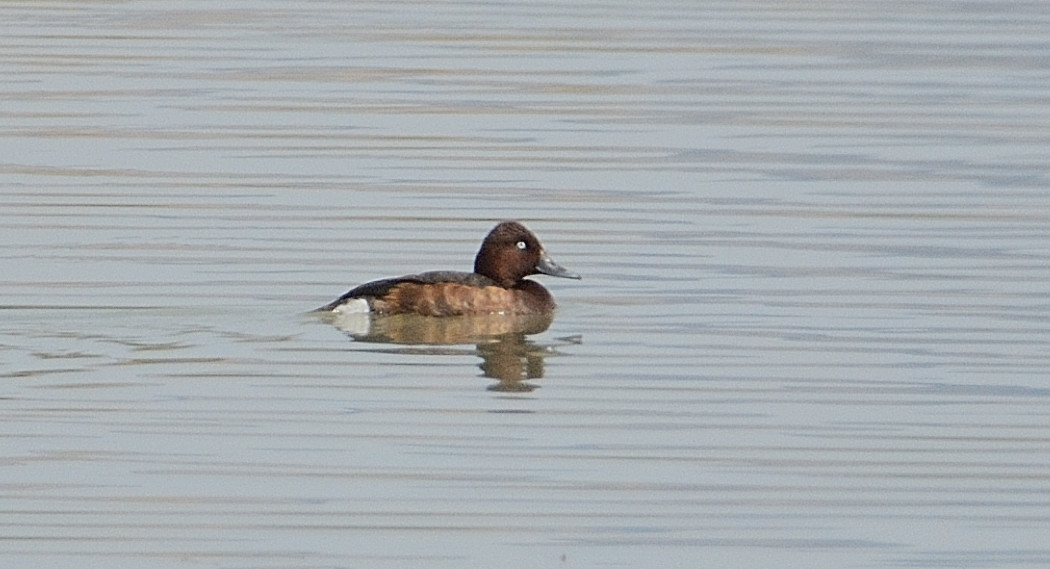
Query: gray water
point(812, 329)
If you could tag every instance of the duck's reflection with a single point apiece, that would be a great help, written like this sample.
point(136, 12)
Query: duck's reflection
point(507, 355)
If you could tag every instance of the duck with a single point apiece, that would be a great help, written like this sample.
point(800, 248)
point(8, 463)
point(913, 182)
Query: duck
point(498, 285)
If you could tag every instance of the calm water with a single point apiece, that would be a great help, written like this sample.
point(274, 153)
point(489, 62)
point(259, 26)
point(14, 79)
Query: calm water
point(813, 330)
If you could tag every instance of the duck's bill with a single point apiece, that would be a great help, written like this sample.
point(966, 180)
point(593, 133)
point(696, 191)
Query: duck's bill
point(547, 266)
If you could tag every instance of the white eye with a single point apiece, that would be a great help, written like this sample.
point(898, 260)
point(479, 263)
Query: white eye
point(522, 245)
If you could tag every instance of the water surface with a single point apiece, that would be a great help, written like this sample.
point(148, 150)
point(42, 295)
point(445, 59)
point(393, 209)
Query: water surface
point(812, 329)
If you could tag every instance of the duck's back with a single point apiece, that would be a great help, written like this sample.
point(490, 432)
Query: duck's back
point(435, 293)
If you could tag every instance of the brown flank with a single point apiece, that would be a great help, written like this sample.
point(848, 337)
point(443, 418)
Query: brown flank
point(447, 299)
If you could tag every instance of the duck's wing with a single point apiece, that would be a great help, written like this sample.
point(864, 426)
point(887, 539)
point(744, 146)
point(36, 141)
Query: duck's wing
point(379, 289)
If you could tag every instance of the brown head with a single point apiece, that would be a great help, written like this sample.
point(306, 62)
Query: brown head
point(510, 252)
